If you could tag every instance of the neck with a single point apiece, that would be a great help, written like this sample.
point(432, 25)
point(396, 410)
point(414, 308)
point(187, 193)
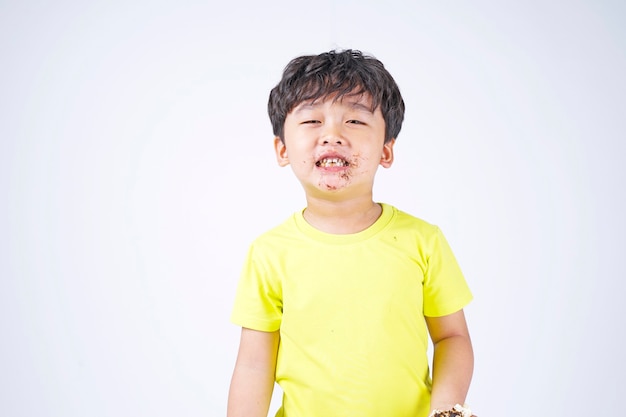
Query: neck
point(342, 217)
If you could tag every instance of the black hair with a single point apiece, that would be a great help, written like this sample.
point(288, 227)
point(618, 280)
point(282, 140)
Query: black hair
point(338, 73)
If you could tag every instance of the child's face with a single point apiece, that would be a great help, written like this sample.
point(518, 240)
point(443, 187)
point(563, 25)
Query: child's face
point(335, 146)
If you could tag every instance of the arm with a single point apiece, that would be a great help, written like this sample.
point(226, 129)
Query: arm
point(453, 360)
point(253, 378)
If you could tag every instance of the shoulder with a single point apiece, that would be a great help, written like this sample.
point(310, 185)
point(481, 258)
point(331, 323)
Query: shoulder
point(415, 234)
point(409, 222)
point(279, 235)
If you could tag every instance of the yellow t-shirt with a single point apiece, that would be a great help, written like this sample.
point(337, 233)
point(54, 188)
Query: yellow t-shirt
point(350, 310)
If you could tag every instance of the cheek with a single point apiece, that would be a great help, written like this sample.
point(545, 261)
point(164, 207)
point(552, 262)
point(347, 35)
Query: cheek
point(367, 158)
point(357, 160)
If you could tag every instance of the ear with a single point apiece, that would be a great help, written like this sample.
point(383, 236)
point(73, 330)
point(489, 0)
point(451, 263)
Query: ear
point(281, 152)
point(386, 158)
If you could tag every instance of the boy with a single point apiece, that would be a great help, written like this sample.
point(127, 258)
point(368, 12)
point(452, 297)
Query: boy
point(337, 303)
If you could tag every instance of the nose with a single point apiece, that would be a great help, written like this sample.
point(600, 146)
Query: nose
point(331, 134)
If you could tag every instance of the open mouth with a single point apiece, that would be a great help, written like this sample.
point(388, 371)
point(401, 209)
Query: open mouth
point(332, 162)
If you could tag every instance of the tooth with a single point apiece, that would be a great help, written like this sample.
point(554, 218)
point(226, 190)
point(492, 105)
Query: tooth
point(330, 162)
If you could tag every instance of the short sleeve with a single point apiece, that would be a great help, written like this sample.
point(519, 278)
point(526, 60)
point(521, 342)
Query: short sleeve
point(258, 299)
point(445, 288)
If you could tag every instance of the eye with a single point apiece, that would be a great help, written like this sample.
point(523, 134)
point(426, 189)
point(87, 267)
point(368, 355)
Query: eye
point(306, 122)
point(355, 122)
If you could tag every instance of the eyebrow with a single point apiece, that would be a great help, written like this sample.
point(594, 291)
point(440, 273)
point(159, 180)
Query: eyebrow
point(310, 105)
point(360, 106)
point(305, 105)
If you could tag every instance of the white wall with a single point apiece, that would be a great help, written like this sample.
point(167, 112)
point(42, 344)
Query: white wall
point(136, 166)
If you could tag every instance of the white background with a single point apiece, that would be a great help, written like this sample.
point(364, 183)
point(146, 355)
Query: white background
point(136, 166)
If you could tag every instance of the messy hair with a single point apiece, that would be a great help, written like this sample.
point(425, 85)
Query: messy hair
point(340, 74)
